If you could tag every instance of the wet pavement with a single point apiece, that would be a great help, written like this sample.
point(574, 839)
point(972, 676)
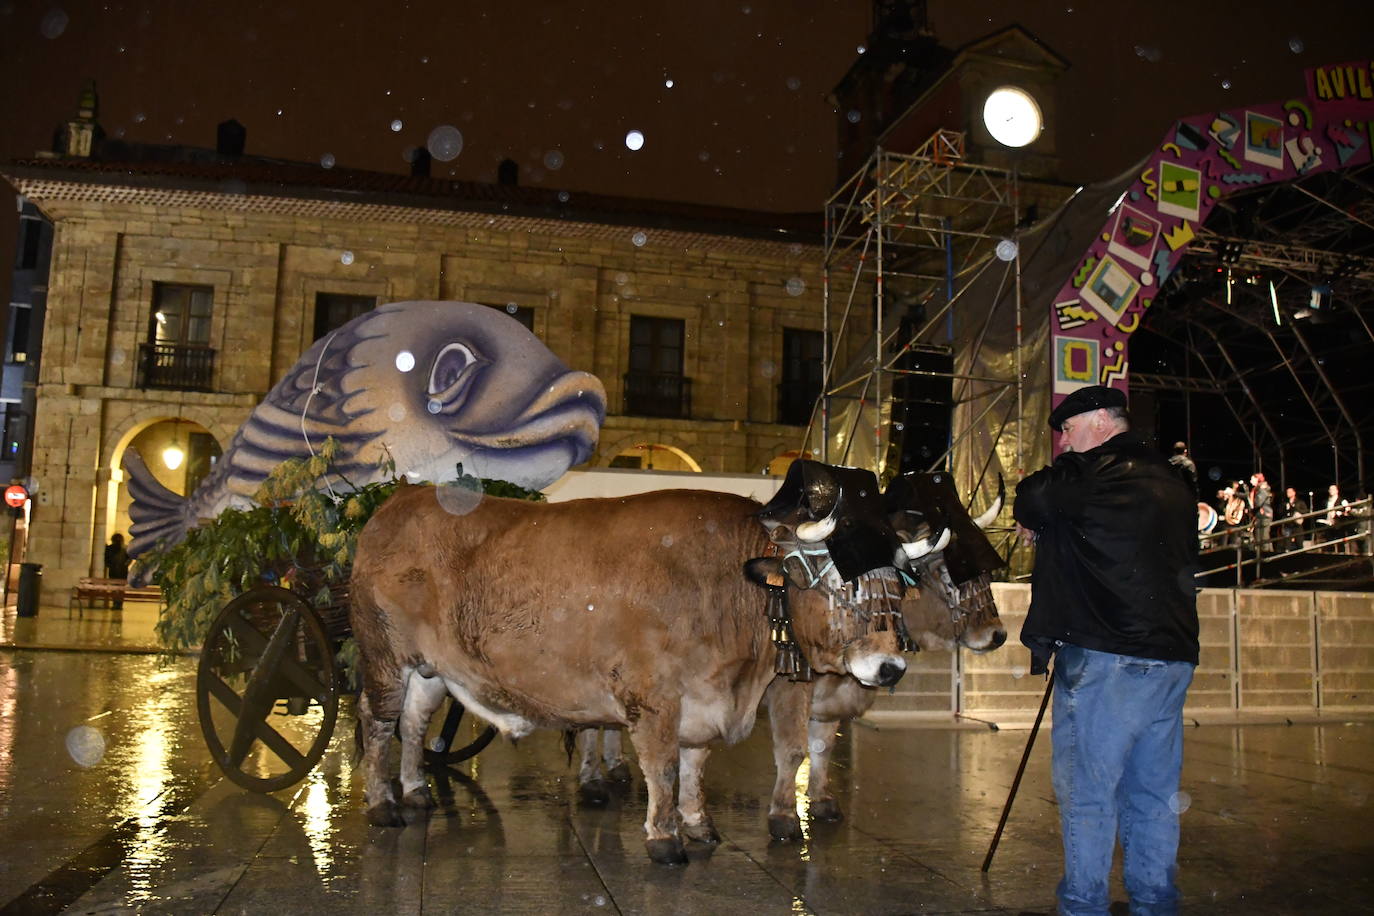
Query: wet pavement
point(109, 803)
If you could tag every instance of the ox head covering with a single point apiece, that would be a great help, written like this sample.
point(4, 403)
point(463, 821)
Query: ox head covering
point(933, 497)
point(1083, 400)
point(843, 506)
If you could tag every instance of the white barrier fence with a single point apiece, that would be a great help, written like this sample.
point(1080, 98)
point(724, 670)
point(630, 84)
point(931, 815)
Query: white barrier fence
point(1262, 651)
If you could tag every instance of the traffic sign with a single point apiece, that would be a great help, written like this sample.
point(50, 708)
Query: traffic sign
point(15, 496)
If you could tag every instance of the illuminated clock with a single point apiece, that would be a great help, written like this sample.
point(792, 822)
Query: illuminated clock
point(1012, 116)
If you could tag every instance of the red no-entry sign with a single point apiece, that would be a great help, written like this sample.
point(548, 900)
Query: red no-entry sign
point(15, 495)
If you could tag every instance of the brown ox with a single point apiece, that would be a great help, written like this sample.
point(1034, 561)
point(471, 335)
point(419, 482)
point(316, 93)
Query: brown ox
point(627, 612)
point(953, 604)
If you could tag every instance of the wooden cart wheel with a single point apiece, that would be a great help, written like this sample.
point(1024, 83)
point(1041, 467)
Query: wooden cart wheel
point(450, 746)
point(268, 689)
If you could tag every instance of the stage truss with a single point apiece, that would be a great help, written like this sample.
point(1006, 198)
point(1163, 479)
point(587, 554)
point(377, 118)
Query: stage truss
point(910, 234)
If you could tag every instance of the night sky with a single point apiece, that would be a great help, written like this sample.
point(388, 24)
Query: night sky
point(556, 86)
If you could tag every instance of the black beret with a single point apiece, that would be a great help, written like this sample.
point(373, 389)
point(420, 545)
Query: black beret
point(1083, 400)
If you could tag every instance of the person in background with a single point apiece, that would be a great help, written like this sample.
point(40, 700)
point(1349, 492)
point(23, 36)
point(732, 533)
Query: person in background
point(116, 563)
point(1261, 509)
point(1293, 527)
point(1113, 603)
point(1185, 466)
point(1337, 508)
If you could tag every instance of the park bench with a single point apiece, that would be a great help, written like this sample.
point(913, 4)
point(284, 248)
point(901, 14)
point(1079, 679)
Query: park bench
point(91, 589)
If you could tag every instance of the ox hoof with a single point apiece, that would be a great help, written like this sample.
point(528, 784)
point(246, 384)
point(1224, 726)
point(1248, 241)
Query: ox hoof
point(705, 832)
point(826, 809)
point(666, 852)
point(386, 814)
point(619, 773)
point(785, 827)
point(594, 794)
point(420, 798)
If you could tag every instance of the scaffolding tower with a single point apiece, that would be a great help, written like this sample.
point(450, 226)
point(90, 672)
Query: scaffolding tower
point(912, 233)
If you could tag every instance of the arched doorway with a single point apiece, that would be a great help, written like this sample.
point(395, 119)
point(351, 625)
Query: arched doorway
point(653, 456)
point(178, 452)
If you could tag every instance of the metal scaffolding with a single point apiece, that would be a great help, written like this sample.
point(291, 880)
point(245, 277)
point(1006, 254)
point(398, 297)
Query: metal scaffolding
point(911, 233)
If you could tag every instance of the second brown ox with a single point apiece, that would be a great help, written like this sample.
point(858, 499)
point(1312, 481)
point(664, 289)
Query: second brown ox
point(631, 612)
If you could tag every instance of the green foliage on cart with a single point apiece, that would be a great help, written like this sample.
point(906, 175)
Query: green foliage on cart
point(301, 535)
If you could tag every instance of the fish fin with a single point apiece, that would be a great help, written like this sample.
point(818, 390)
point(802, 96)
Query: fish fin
point(157, 513)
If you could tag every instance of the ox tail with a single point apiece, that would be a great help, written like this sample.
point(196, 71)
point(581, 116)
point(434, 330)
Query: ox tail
point(160, 517)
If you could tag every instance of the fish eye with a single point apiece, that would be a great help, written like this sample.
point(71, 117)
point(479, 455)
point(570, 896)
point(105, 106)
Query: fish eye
point(450, 366)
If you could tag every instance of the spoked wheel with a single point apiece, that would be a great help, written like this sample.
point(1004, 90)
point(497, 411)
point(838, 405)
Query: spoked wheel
point(456, 740)
point(268, 689)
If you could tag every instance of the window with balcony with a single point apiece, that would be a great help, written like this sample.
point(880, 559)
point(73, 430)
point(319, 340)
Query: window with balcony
point(334, 310)
point(178, 354)
point(655, 385)
point(802, 374)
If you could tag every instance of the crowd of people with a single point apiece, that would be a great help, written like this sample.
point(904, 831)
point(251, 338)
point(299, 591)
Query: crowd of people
point(1247, 513)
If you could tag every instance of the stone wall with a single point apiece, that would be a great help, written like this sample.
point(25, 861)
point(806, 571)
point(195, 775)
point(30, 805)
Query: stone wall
point(266, 270)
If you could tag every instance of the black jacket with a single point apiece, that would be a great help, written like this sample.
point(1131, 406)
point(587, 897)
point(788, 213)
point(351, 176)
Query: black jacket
point(1115, 555)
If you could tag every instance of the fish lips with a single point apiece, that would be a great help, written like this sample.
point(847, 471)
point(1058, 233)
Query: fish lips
point(568, 412)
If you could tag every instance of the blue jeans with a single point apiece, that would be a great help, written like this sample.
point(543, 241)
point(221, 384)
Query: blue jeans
point(1118, 753)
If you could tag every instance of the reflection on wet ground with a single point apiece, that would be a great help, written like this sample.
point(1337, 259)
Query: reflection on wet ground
point(130, 815)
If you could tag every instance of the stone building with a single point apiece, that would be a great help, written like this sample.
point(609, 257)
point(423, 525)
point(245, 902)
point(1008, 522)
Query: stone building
point(185, 283)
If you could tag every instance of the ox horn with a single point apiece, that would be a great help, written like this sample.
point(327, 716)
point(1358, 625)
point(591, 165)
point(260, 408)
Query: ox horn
point(987, 517)
point(914, 550)
point(811, 532)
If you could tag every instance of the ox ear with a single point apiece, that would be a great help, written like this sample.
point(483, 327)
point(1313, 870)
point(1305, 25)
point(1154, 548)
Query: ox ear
point(772, 572)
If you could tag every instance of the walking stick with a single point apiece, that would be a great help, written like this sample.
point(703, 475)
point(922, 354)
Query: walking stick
point(1016, 783)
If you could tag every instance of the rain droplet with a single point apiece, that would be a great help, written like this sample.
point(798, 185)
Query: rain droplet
point(459, 497)
point(668, 83)
point(327, 160)
point(1295, 45)
point(433, 406)
point(1149, 53)
point(444, 143)
point(396, 412)
point(346, 257)
point(405, 360)
point(817, 746)
point(512, 308)
point(634, 140)
point(553, 160)
point(591, 607)
point(795, 286)
point(396, 126)
point(563, 197)
point(793, 83)
point(1225, 84)
point(639, 238)
point(861, 49)
point(667, 540)
point(852, 116)
point(85, 745)
point(1180, 801)
point(117, 357)
point(766, 368)
point(53, 25)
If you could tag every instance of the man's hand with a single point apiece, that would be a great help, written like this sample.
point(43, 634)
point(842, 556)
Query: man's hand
point(1027, 536)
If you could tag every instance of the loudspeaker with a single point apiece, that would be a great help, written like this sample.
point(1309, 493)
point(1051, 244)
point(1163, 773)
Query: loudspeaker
point(922, 406)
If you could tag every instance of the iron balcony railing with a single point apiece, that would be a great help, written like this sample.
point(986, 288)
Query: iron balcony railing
point(176, 367)
point(658, 394)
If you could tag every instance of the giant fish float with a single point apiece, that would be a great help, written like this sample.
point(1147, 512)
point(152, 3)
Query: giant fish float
point(430, 385)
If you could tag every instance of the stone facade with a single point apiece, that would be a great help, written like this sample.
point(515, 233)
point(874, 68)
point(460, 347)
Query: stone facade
point(735, 297)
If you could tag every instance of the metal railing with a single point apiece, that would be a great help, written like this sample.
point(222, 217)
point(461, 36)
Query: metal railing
point(1348, 539)
point(176, 367)
point(658, 394)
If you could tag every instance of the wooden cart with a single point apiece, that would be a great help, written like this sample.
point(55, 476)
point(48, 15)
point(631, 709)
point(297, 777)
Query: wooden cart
point(268, 690)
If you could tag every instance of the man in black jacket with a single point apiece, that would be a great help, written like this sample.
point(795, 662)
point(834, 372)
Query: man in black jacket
point(1113, 601)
